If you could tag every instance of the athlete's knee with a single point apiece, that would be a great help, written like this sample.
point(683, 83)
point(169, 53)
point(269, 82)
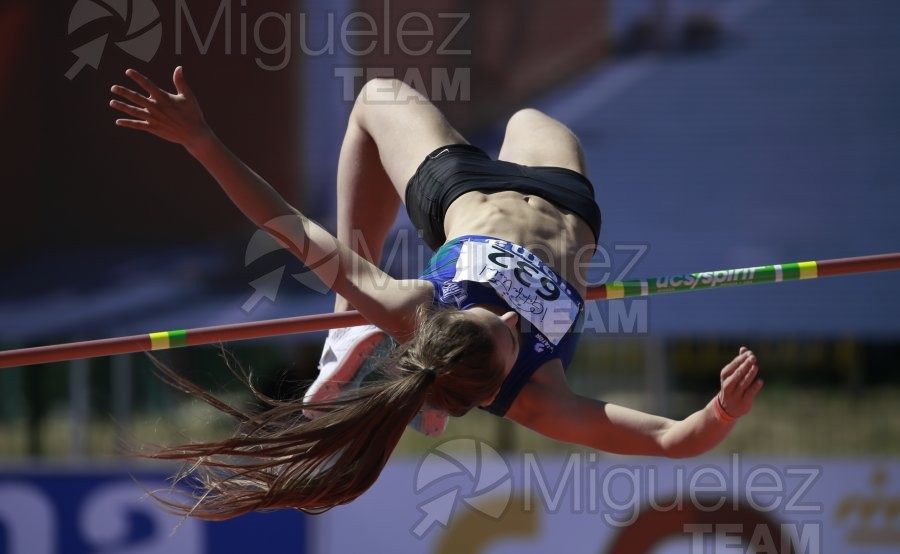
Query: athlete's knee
point(528, 118)
point(384, 96)
point(374, 93)
point(379, 90)
point(534, 138)
point(529, 123)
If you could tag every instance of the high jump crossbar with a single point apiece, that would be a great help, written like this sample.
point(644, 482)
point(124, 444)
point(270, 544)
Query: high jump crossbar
point(703, 280)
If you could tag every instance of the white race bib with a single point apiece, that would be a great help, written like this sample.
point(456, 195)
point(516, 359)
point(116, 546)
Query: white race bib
point(526, 283)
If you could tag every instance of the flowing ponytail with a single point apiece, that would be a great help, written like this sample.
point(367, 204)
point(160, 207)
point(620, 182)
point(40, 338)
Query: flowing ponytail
point(279, 458)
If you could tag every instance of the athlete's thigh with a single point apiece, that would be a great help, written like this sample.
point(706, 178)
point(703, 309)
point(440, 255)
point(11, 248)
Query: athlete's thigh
point(405, 126)
point(536, 139)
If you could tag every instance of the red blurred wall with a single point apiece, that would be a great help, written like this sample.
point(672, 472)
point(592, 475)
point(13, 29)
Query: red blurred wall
point(72, 179)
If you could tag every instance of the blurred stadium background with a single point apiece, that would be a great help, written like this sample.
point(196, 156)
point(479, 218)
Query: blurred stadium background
point(719, 133)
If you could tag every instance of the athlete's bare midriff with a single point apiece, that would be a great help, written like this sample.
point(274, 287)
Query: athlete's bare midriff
point(561, 239)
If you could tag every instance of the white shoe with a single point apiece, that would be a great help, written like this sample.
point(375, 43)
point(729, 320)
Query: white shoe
point(343, 354)
point(343, 364)
point(430, 421)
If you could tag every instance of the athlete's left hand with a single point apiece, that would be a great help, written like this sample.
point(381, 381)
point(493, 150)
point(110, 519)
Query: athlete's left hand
point(173, 117)
point(740, 384)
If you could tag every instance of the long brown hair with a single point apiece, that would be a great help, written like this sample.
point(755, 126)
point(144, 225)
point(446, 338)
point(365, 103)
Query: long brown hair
point(278, 458)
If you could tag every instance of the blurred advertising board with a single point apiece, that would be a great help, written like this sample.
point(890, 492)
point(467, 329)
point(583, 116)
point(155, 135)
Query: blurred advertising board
point(66, 510)
point(469, 498)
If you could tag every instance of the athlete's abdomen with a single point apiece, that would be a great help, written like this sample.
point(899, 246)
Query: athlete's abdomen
point(562, 240)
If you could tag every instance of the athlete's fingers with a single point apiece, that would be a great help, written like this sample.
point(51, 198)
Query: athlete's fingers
point(133, 124)
point(753, 390)
point(146, 84)
point(139, 126)
point(733, 365)
point(749, 376)
point(131, 96)
point(730, 367)
point(181, 83)
point(128, 109)
point(734, 379)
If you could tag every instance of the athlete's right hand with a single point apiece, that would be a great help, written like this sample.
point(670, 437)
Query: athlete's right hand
point(174, 117)
point(740, 384)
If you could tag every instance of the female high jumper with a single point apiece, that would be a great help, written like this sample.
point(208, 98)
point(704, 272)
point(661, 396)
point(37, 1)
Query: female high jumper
point(492, 322)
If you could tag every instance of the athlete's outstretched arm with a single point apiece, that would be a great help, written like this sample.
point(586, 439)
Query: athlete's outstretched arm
point(178, 118)
point(548, 406)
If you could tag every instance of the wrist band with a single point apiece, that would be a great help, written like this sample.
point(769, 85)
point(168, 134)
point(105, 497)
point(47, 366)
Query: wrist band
point(720, 412)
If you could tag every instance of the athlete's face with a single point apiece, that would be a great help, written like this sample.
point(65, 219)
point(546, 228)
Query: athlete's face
point(505, 334)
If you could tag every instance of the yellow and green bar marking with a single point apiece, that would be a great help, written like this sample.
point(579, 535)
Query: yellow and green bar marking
point(164, 340)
